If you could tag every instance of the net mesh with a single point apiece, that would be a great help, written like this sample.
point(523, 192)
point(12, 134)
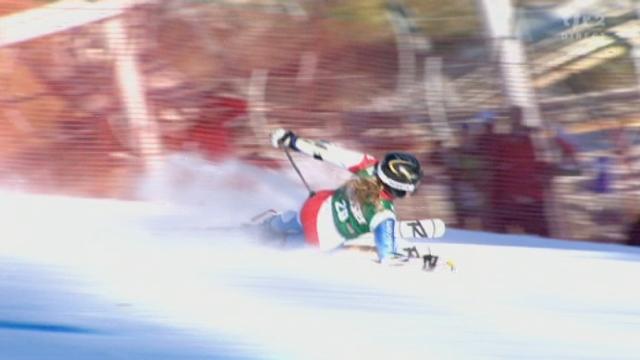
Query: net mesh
point(217, 75)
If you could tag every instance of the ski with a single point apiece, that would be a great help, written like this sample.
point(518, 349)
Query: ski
point(410, 230)
point(407, 232)
point(410, 256)
point(420, 229)
point(416, 229)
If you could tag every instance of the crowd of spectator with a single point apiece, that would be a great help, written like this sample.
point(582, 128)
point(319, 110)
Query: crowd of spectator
point(497, 181)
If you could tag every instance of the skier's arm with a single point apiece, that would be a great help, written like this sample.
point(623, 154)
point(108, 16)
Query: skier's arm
point(322, 150)
point(384, 235)
point(383, 225)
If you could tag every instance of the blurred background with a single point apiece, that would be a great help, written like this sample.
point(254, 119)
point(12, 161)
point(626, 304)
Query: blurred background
point(525, 113)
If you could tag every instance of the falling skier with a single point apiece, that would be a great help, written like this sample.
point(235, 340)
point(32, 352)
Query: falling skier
point(329, 219)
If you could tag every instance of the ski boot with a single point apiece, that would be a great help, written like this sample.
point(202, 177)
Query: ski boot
point(275, 228)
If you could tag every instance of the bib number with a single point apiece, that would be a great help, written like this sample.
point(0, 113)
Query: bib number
point(341, 210)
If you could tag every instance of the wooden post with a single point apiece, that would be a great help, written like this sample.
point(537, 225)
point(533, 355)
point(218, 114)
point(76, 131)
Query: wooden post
point(500, 21)
point(257, 104)
point(144, 130)
point(406, 52)
point(435, 97)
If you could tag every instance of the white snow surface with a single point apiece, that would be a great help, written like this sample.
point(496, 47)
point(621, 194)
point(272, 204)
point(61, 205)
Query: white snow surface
point(105, 279)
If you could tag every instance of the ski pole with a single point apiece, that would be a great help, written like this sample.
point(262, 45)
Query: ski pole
point(295, 167)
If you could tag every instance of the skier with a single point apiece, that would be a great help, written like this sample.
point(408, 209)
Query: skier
point(330, 218)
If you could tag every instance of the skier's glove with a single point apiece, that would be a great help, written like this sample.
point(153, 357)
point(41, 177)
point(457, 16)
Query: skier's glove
point(282, 138)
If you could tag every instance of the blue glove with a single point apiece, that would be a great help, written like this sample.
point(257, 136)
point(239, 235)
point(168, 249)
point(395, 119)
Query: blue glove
point(385, 239)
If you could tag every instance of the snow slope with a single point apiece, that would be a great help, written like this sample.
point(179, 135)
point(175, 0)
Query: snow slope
point(98, 279)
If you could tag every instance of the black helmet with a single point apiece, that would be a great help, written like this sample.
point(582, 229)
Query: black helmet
point(400, 172)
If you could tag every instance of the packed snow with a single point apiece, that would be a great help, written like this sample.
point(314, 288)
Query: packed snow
point(170, 278)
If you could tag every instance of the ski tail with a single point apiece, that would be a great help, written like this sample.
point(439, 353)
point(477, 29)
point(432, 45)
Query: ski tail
point(259, 218)
point(421, 229)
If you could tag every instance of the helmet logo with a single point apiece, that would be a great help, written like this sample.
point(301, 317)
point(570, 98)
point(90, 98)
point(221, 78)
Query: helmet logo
point(398, 168)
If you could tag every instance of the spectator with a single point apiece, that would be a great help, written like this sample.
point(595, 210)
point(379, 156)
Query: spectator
point(568, 152)
point(519, 181)
point(604, 207)
point(485, 146)
point(603, 178)
point(464, 170)
point(633, 235)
